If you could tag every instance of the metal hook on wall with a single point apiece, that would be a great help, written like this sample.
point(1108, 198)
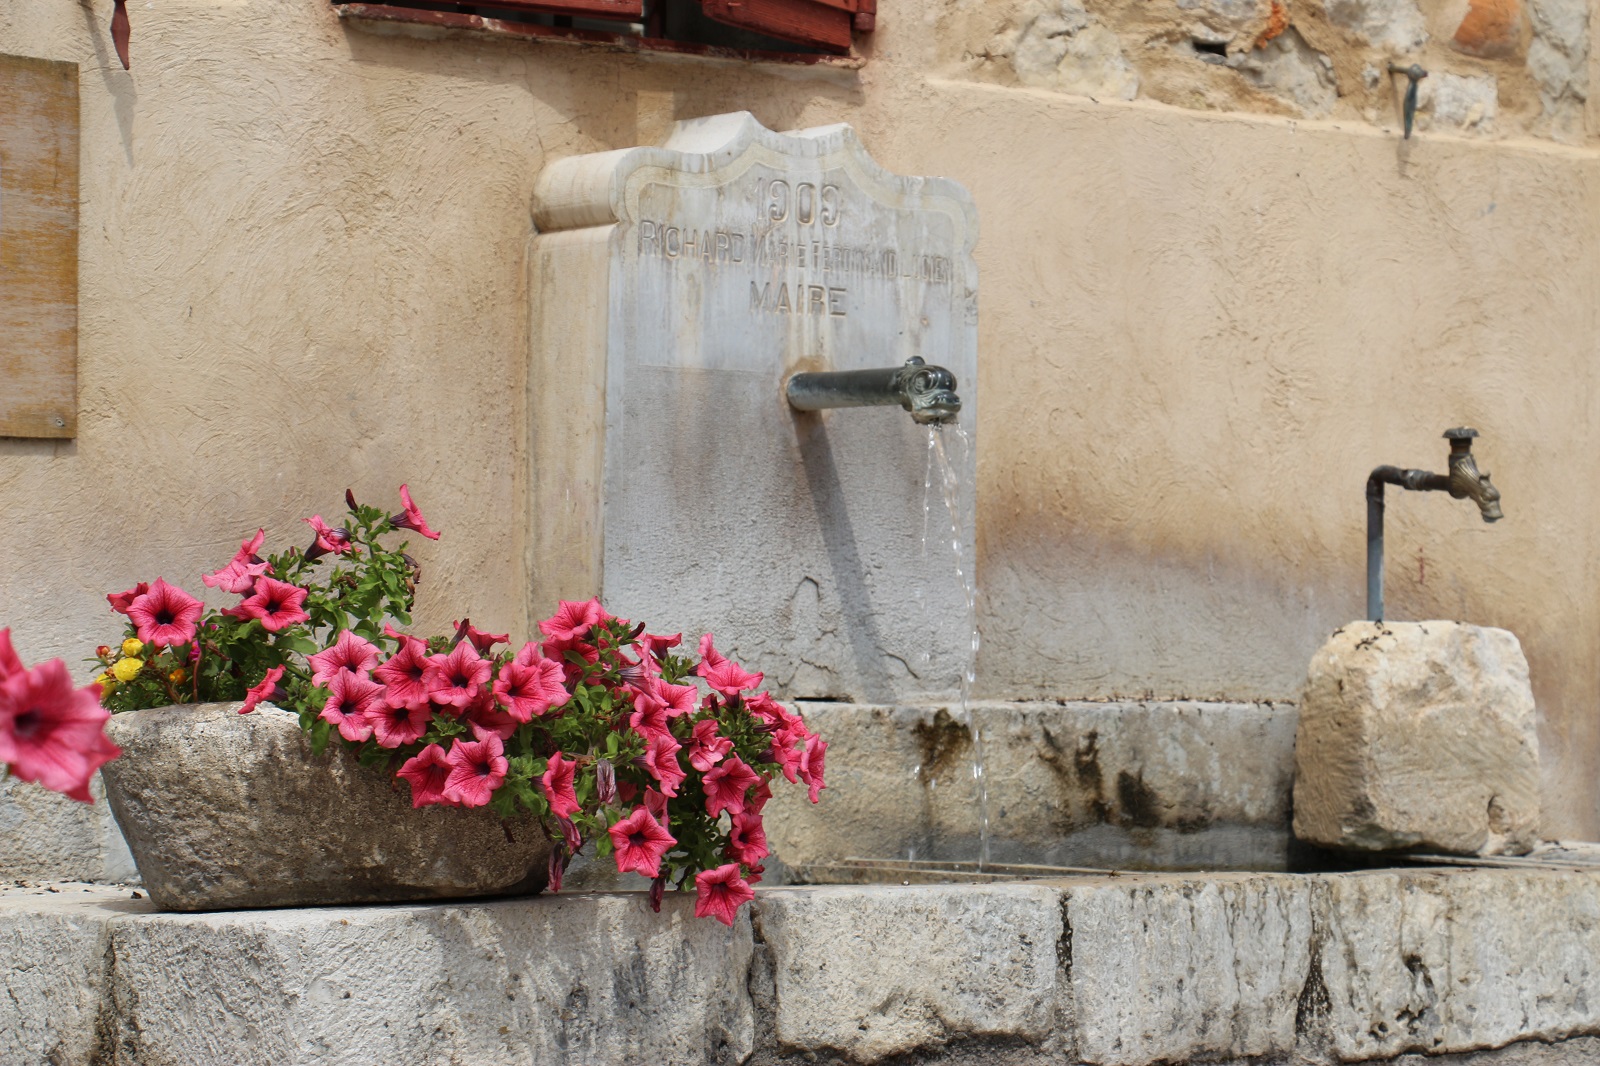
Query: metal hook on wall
point(1414, 75)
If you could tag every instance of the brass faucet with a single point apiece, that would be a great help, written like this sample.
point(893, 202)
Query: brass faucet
point(1463, 482)
point(928, 392)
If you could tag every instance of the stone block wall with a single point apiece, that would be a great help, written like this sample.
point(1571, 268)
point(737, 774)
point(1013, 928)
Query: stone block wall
point(1496, 67)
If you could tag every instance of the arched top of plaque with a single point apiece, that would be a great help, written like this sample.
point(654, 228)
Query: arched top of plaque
point(603, 188)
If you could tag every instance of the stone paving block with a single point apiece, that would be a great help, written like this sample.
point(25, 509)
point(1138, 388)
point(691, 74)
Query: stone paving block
point(1167, 967)
point(55, 961)
point(1458, 960)
point(578, 980)
point(882, 970)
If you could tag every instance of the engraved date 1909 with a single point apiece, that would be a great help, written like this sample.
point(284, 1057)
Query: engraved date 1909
point(809, 203)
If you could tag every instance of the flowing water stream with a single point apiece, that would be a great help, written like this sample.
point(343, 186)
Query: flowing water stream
point(950, 452)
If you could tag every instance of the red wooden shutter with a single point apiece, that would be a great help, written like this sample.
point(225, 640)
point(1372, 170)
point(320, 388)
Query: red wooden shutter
point(822, 24)
point(631, 10)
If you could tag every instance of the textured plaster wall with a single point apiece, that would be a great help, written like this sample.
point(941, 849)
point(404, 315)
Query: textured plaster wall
point(303, 267)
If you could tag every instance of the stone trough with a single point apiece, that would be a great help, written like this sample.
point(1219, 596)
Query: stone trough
point(1123, 970)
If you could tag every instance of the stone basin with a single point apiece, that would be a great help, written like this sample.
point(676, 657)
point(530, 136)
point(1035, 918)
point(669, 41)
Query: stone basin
point(1130, 970)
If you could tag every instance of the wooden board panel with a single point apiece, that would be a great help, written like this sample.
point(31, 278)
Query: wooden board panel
point(38, 248)
point(818, 23)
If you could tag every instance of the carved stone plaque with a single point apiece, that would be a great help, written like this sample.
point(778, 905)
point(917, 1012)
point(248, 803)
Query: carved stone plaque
point(38, 248)
point(675, 290)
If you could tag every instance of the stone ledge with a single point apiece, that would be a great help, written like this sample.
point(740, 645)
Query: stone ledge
point(1111, 971)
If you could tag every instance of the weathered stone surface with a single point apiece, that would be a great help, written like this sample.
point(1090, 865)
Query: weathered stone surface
point(1061, 46)
point(879, 971)
point(1393, 24)
point(1291, 69)
point(1455, 960)
point(44, 834)
point(1166, 968)
point(1467, 104)
point(1558, 59)
point(1418, 735)
point(1490, 29)
point(1123, 785)
point(223, 810)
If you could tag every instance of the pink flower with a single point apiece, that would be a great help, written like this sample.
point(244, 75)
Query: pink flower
point(276, 604)
point(557, 782)
point(649, 718)
point(411, 517)
point(709, 655)
point(572, 620)
point(328, 539)
point(811, 765)
point(51, 732)
point(775, 716)
point(395, 726)
point(656, 804)
point(758, 799)
point(264, 691)
point(530, 689)
point(661, 759)
point(728, 678)
point(351, 699)
point(404, 674)
point(557, 867)
point(427, 771)
point(657, 646)
point(570, 835)
point(725, 786)
point(484, 642)
point(121, 601)
point(349, 652)
point(484, 713)
point(784, 754)
point(640, 842)
point(721, 892)
point(747, 840)
point(678, 699)
point(477, 767)
point(455, 679)
point(9, 663)
point(706, 749)
point(165, 615)
point(239, 576)
point(528, 654)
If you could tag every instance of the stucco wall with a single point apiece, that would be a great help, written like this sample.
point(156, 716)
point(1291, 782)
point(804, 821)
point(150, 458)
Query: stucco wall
point(303, 267)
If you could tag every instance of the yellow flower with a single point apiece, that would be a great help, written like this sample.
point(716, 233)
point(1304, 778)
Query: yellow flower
point(127, 669)
point(106, 682)
point(178, 676)
point(132, 646)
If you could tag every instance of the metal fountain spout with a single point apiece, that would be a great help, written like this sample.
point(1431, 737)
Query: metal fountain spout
point(928, 392)
point(1463, 482)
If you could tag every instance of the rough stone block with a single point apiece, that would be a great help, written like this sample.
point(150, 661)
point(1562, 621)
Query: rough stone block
point(1418, 735)
point(45, 835)
point(878, 971)
point(1166, 968)
point(1454, 961)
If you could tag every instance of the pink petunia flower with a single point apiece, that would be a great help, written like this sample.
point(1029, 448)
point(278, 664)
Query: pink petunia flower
point(268, 687)
point(709, 655)
point(404, 674)
point(121, 601)
point(649, 718)
point(656, 804)
point(787, 756)
point(721, 892)
point(485, 714)
point(477, 767)
point(427, 771)
point(640, 843)
point(276, 604)
point(572, 620)
point(661, 759)
point(350, 699)
point(729, 678)
point(239, 576)
point(657, 646)
point(397, 726)
point(757, 800)
point(556, 868)
point(747, 840)
point(811, 765)
point(51, 732)
point(456, 678)
point(558, 650)
point(706, 748)
point(166, 615)
point(570, 835)
point(10, 664)
point(557, 782)
point(725, 786)
point(329, 540)
point(484, 642)
point(530, 689)
point(411, 517)
point(349, 652)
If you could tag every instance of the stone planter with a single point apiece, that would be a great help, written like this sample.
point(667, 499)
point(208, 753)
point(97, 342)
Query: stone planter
point(225, 811)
